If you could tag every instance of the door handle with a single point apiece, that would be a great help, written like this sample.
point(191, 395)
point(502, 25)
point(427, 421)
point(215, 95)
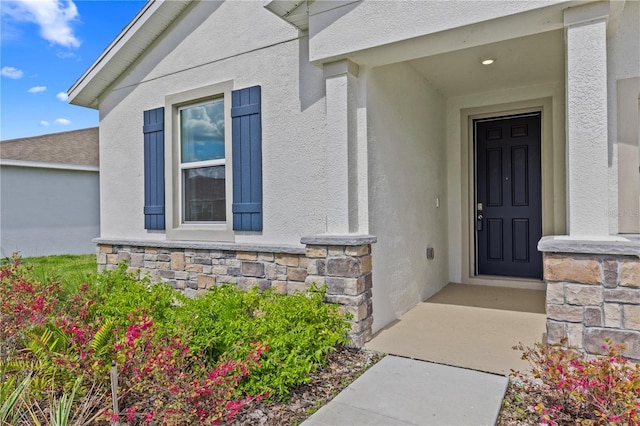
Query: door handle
point(479, 222)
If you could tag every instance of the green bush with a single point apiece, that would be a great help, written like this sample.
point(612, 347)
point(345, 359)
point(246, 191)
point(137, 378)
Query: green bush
point(117, 294)
point(299, 330)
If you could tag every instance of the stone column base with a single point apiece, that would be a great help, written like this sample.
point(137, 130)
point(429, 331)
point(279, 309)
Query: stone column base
point(593, 293)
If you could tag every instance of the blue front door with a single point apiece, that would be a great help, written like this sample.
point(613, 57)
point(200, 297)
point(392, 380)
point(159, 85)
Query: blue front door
point(508, 207)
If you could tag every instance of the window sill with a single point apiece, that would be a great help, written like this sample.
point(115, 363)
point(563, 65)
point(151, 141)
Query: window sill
point(218, 232)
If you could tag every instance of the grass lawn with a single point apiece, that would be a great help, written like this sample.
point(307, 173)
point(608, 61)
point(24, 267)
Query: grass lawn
point(70, 270)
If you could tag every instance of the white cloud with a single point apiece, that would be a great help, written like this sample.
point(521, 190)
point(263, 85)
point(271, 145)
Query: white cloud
point(65, 55)
point(63, 96)
point(44, 123)
point(54, 17)
point(11, 72)
point(63, 121)
point(37, 89)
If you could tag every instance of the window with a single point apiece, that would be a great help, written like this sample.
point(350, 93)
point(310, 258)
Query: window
point(203, 155)
point(203, 162)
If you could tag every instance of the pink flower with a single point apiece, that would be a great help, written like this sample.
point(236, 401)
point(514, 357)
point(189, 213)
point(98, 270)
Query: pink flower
point(131, 413)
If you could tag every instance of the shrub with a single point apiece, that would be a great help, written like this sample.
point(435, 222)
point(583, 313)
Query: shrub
point(118, 293)
point(24, 304)
point(597, 390)
point(181, 361)
point(161, 378)
point(299, 330)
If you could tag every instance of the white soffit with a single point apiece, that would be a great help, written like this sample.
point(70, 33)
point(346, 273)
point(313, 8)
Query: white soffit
point(522, 61)
point(149, 24)
point(296, 12)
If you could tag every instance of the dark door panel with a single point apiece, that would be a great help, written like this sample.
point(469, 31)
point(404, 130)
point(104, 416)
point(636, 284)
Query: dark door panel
point(508, 196)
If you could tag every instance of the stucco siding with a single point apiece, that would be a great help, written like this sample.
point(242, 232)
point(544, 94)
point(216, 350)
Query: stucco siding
point(407, 175)
point(258, 49)
point(337, 29)
point(48, 211)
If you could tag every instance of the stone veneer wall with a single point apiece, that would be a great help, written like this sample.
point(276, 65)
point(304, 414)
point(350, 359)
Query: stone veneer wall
point(342, 263)
point(593, 293)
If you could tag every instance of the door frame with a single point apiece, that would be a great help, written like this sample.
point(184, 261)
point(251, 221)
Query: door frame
point(549, 221)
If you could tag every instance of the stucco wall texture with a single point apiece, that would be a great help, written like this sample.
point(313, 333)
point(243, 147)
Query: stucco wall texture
point(408, 182)
point(377, 23)
point(293, 116)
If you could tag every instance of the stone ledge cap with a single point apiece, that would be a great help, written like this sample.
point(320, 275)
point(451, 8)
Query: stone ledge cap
point(339, 239)
point(615, 246)
point(205, 245)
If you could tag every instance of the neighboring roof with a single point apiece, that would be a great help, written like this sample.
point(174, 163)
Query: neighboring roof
point(154, 17)
point(78, 147)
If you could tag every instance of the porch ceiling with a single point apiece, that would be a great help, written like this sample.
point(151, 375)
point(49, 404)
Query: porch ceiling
point(518, 62)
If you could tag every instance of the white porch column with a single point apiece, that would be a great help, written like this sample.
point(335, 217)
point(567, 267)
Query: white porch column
point(587, 152)
point(341, 80)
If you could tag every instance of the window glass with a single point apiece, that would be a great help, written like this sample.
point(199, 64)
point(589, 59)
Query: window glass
point(202, 162)
point(202, 132)
point(204, 194)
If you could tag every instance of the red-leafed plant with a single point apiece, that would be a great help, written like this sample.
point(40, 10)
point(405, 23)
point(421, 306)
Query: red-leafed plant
point(161, 379)
point(570, 388)
point(24, 304)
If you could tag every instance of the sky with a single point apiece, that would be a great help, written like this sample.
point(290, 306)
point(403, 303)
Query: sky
point(46, 45)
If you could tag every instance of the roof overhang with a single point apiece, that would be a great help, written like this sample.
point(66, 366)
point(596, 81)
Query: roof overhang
point(296, 12)
point(154, 17)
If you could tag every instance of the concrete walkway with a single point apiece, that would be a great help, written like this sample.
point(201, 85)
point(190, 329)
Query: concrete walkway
point(402, 391)
point(442, 344)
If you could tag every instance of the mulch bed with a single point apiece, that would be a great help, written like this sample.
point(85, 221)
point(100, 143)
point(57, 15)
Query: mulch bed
point(515, 405)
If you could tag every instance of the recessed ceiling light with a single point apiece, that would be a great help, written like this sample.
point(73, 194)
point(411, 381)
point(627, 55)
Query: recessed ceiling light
point(487, 61)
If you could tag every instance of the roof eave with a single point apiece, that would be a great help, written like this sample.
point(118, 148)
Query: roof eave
point(154, 17)
point(296, 12)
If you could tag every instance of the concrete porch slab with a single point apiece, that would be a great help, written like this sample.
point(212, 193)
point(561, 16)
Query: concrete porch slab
point(468, 326)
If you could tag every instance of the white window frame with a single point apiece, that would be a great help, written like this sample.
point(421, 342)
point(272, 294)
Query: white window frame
point(176, 228)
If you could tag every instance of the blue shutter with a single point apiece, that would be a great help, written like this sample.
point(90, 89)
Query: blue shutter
point(153, 131)
point(247, 159)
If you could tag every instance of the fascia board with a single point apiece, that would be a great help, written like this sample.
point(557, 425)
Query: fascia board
point(296, 12)
point(45, 165)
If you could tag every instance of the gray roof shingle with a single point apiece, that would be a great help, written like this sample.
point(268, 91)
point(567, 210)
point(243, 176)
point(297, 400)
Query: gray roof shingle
point(73, 147)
